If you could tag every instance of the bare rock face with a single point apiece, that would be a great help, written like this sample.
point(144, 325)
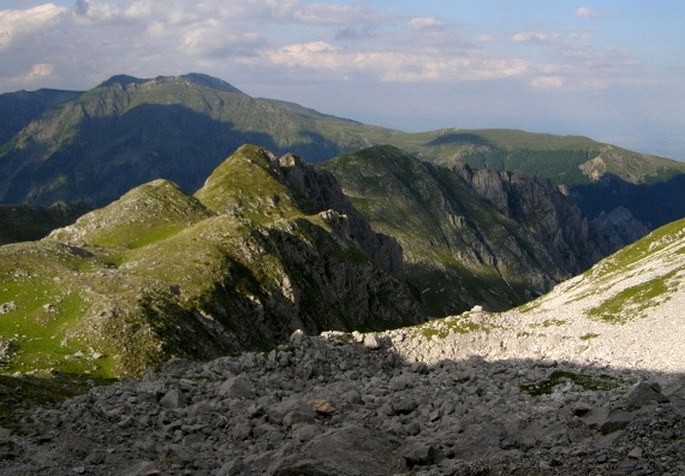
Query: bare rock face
point(546, 210)
point(317, 191)
point(483, 237)
point(620, 226)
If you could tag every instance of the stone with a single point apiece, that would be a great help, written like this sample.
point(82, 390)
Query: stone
point(174, 398)
point(237, 387)
point(349, 451)
point(403, 405)
point(323, 407)
point(617, 420)
point(418, 454)
point(7, 307)
point(644, 393)
point(139, 468)
point(400, 382)
point(635, 453)
point(371, 341)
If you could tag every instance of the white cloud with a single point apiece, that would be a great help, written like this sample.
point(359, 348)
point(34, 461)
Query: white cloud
point(535, 37)
point(397, 66)
point(548, 82)
point(587, 12)
point(40, 70)
point(244, 39)
point(485, 38)
point(14, 23)
point(425, 23)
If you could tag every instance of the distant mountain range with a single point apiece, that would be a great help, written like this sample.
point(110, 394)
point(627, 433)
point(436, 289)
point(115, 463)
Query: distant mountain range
point(96, 145)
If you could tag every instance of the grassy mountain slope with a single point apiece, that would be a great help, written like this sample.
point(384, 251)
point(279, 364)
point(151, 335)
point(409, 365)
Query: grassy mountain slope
point(128, 131)
point(159, 273)
point(628, 284)
point(571, 160)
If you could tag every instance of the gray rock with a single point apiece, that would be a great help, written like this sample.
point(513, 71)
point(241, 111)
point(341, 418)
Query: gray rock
point(635, 453)
point(403, 405)
point(350, 451)
point(418, 454)
point(139, 468)
point(617, 420)
point(174, 398)
point(644, 393)
point(237, 387)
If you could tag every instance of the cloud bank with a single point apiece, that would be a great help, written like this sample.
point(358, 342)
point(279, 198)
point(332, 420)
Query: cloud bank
point(289, 37)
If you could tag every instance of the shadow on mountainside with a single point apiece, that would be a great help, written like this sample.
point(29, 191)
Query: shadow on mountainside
point(653, 204)
point(461, 138)
point(348, 404)
point(148, 142)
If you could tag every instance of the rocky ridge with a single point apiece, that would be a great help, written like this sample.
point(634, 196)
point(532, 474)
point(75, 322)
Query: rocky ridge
point(596, 386)
point(495, 239)
point(239, 266)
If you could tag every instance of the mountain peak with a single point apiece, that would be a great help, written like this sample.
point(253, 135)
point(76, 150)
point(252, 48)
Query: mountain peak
point(122, 80)
point(211, 82)
point(199, 79)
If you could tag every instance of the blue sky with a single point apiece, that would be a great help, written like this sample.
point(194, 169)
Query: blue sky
point(610, 70)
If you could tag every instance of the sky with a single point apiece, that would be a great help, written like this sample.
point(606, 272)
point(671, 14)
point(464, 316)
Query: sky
point(611, 70)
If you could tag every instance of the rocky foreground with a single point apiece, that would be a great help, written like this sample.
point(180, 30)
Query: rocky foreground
point(348, 404)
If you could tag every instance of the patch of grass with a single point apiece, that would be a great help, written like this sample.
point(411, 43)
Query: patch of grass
point(529, 306)
point(135, 237)
point(549, 323)
point(523, 334)
point(633, 301)
point(442, 328)
point(588, 382)
point(589, 335)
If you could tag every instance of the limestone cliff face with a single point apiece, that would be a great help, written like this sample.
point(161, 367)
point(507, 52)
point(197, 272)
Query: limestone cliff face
point(546, 211)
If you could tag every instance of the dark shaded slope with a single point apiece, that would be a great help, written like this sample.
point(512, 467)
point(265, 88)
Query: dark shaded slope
point(18, 109)
point(28, 223)
point(128, 131)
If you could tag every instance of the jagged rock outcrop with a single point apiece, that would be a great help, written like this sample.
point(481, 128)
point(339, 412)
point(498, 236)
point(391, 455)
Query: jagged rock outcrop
point(620, 226)
point(574, 242)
